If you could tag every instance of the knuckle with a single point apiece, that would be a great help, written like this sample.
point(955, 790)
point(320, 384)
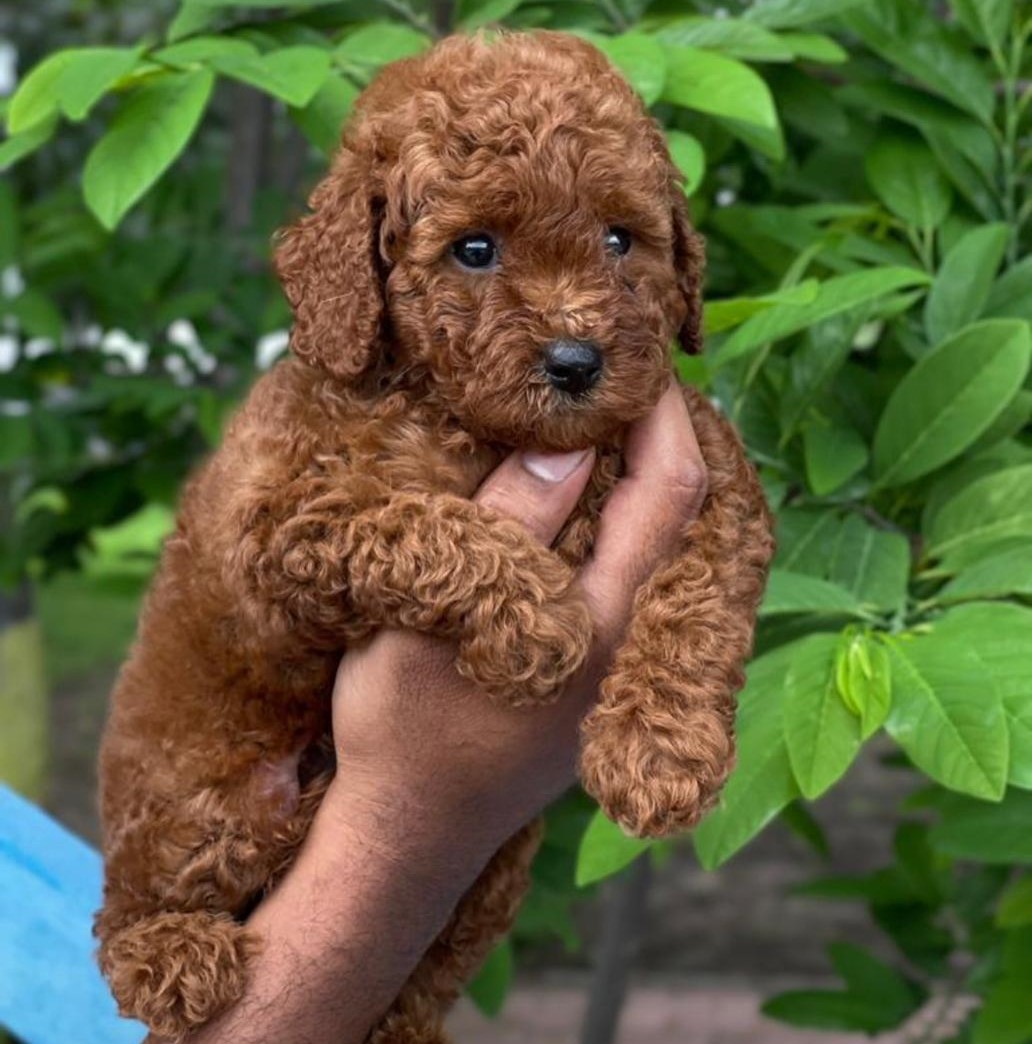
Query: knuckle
point(688, 485)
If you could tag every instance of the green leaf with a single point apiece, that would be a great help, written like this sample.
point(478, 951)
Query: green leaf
point(871, 563)
point(718, 85)
point(150, 131)
point(827, 1010)
point(949, 398)
point(206, 50)
point(790, 14)
point(90, 74)
point(806, 540)
point(35, 313)
point(472, 14)
point(192, 17)
point(18, 146)
point(1015, 907)
point(322, 119)
point(822, 736)
point(293, 74)
point(948, 715)
point(640, 59)
point(605, 850)
point(798, 593)
point(836, 295)
point(802, 822)
point(762, 783)
point(986, 20)
point(1011, 294)
point(490, 987)
point(985, 832)
point(688, 155)
point(984, 515)
point(815, 47)
point(378, 43)
point(833, 454)
point(722, 315)
point(735, 37)
point(962, 285)
point(866, 976)
point(1009, 422)
point(905, 176)
point(38, 95)
point(1006, 573)
point(926, 50)
point(1000, 635)
point(1006, 1016)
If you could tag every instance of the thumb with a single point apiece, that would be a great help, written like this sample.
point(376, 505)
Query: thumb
point(537, 489)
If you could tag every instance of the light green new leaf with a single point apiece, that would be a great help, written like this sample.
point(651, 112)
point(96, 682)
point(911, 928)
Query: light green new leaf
point(962, 284)
point(689, 156)
point(948, 715)
point(731, 36)
point(732, 311)
point(815, 47)
point(605, 850)
point(718, 85)
point(863, 678)
point(836, 295)
point(762, 783)
point(1015, 906)
point(904, 174)
point(90, 74)
point(1006, 573)
point(38, 95)
point(986, 20)
point(822, 735)
point(322, 119)
point(833, 454)
point(991, 511)
point(152, 128)
point(472, 14)
point(984, 832)
point(798, 593)
point(18, 146)
point(293, 74)
point(870, 563)
point(640, 58)
point(490, 987)
point(949, 398)
point(378, 43)
point(1000, 635)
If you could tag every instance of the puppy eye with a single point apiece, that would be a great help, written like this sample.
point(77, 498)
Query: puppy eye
point(618, 240)
point(475, 251)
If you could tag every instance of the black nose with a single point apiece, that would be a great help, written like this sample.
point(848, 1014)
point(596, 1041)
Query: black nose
point(573, 366)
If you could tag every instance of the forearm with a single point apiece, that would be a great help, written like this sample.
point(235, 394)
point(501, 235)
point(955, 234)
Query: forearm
point(372, 887)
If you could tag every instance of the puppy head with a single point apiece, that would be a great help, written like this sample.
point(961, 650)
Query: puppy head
point(504, 226)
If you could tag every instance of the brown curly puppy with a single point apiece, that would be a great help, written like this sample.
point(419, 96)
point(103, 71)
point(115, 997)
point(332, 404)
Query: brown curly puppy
point(499, 258)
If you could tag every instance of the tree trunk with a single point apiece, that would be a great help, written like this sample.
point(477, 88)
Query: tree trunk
point(23, 696)
point(621, 936)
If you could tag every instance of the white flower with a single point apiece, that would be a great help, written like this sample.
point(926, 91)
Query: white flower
point(37, 347)
point(8, 352)
point(270, 347)
point(119, 344)
point(726, 196)
point(178, 368)
point(183, 334)
point(11, 281)
point(8, 64)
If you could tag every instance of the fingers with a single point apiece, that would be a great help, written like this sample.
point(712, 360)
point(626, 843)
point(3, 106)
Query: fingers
point(644, 517)
point(538, 489)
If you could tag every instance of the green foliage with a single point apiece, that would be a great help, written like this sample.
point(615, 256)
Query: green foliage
point(860, 171)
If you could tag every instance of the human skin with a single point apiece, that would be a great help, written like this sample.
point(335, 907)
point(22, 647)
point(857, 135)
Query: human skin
point(433, 776)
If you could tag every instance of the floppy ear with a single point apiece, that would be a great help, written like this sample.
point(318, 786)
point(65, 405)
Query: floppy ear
point(329, 265)
point(690, 264)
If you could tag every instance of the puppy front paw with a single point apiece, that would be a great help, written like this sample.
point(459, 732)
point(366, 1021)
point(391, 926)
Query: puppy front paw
point(524, 652)
point(175, 971)
point(658, 779)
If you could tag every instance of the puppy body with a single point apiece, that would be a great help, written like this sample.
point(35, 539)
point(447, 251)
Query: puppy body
point(338, 504)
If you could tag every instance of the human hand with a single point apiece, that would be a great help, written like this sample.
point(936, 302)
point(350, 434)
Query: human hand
point(415, 738)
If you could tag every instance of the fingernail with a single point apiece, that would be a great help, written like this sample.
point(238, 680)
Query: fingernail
point(553, 467)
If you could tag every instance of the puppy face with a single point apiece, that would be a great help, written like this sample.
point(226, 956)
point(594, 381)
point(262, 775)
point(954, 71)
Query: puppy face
point(527, 255)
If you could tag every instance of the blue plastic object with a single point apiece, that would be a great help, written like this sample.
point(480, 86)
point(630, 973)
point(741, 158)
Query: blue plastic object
point(50, 881)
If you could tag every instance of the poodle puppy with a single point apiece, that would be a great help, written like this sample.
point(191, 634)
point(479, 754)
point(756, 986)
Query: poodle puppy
point(499, 257)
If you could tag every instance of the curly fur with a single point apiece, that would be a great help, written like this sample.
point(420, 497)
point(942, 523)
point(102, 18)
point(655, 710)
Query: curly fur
point(338, 504)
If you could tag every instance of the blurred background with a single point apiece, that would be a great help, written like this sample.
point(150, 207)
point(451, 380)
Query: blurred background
point(861, 172)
